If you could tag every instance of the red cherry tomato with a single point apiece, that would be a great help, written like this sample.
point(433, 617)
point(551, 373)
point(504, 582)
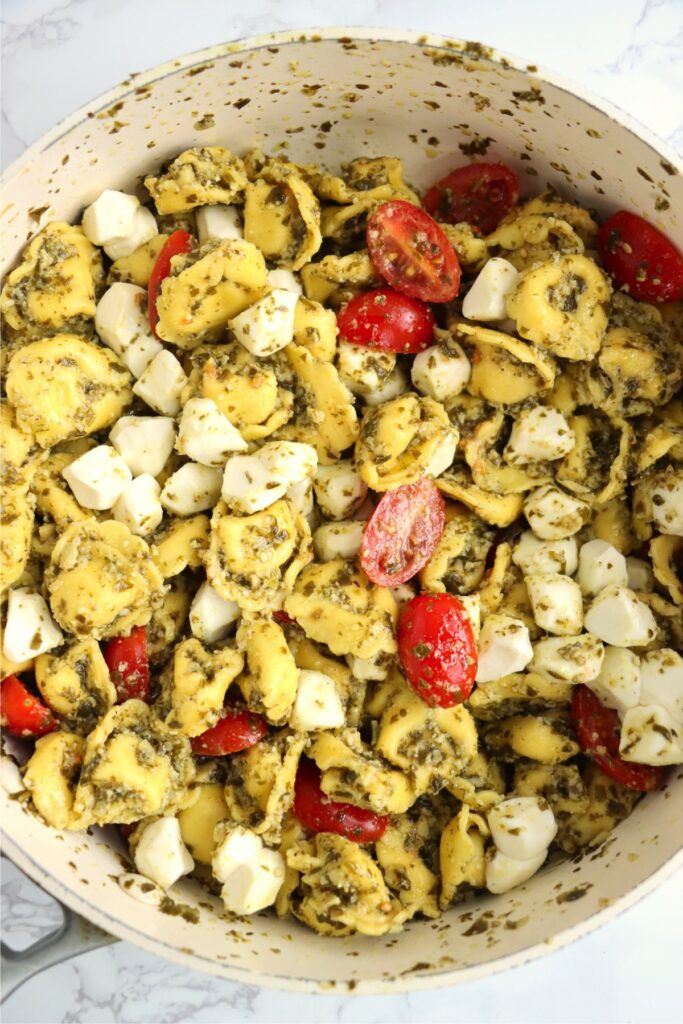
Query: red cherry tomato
point(599, 730)
point(478, 194)
point(179, 241)
point(128, 664)
point(437, 649)
point(641, 259)
point(318, 813)
point(386, 320)
point(238, 729)
point(402, 533)
point(412, 253)
point(22, 713)
point(283, 618)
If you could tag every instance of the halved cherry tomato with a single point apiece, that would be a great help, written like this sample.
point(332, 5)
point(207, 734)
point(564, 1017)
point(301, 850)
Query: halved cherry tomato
point(437, 649)
point(477, 194)
point(412, 253)
point(237, 729)
point(177, 242)
point(599, 731)
point(402, 533)
point(22, 713)
point(128, 664)
point(318, 813)
point(283, 618)
point(641, 259)
point(386, 320)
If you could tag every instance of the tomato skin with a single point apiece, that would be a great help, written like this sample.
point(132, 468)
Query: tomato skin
point(386, 320)
point(412, 253)
point(22, 713)
point(284, 619)
point(128, 664)
point(598, 730)
point(402, 533)
point(437, 649)
point(318, 813)
point(177, 242)
point(236, 730)
point(640, 258)
point(478, 194)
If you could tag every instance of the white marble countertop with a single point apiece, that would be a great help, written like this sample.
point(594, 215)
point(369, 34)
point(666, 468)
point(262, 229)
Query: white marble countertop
point(58, 54)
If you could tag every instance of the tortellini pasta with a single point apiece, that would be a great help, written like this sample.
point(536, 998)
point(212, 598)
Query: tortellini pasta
point(200, 681)
point(282, 215)
point(196, 177)
point(505, 370)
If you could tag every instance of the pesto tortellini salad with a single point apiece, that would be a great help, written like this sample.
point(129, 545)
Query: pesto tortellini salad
point(342, 531)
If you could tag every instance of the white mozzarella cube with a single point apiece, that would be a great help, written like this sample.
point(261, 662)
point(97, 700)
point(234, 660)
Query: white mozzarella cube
point(649, 735)
point(472, 605)
point(282, 278)
point(541, 556)
point(620, 618)
point(556, 602)
point(248, 486)
point(338, 540)
point(618, 682)
point(440, 372)
point(394, 385)
point(110, 216)
point(553, 514)
point(238, 846)
point(161, 854)
point(639, 575)
point(289, 462)
point(218, 222)
point(369, 669)
point(205, 435)
point(192, 488)
point(318, 704)
point(364, 370)
point(577, 659)
point(487, 297)
point(539, 434)
point(138, 506)
point(161, 384)
point(504, 873)
point(600, 564)
point(301, 497)
point(662, 681)
point(144, 228)
point(30, 629)
point(144, 442)
point(522, 827)
point(339, 489)
point(98, 478)
point(268, 325)
point(121, 323)
point(667, 504)
point(404, 593)
point(211, 616)
point(504, 648)
point(444, 455)
point(253, 887)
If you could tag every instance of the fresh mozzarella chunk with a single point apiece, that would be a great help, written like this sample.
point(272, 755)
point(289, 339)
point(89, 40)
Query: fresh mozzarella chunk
point(578, 659)
point(369, 669)
point(161, 384)
point(211, 616)
point(443, 456)
point(318, 704)
point(504, 873)
point(338, 540)
point(206, 435)
point(98, 478)
point(487, 296)
point(600, 565)
point(339, 489)
point(472, 605)
point(268, 325)
point(404, 593)
point(282, 278)
point(110, 216)
point(662, 681)
point(394, 385)
point(649, 735)
point(553, 514)
point(217, 222)
point(290, 462)
point(253, 887)
point(640, 576)
point(504, 648)
point(253, 482)
point(161, 854)
point(30, 629)
point(191, 489)
point(138, 505)
point(618, 683)
point(667, 505)
point(301, 497)
point(540, 556)
point(121, 323)
point(619, 618)
point(440, 372)
point(539, 434)
point(522, 827)
point(144, 442)
point(239, 846)
point(144, 228)
point(556, 602)
point(364, 370)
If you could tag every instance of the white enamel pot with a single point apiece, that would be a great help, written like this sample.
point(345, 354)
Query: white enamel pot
point(328, 97)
